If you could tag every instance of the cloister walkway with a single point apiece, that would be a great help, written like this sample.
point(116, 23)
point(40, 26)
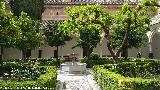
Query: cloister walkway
point(76, 81)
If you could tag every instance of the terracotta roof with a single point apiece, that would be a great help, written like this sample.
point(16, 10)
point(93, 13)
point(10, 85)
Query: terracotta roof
point(88, 1)
point(45, 23)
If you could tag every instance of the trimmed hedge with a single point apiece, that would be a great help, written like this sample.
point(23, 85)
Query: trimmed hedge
point(39, 61)
point(45, 81)
point(132, 59)
point(91, 62)
point(108, 60)
point(94, 59)
point(109, 77)
point(48, 61)
point(138, 69)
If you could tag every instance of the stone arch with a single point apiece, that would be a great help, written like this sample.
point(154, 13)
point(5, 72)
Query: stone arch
point(152, 36)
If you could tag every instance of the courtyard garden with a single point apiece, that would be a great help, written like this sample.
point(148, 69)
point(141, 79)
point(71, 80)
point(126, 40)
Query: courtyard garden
point(91, 24)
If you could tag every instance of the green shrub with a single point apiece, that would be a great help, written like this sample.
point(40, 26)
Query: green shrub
point(138, 69)
point(110, 77)
point(93, 56)
point(8, 67)
point(91, 63)
point(133, 59)
point(40, 61)
point(45, 81)
point(96, 60)
point(48, 61)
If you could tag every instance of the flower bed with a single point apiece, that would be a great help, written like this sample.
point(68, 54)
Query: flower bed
point(18, 71)
point(44, 81)
point(39, 61)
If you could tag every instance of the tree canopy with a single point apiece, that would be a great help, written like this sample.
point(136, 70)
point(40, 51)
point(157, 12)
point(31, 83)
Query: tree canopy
point(125, 29)
point(34, 8)
point(129, 26)
point(30, 37)
point(9, 30)
point(84, 21)
point(55, 35)
point(139, 26)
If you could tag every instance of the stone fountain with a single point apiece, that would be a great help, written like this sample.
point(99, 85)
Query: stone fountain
point(73, 67)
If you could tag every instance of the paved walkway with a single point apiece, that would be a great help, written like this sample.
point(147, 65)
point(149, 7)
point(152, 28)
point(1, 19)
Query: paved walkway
point(76, 81)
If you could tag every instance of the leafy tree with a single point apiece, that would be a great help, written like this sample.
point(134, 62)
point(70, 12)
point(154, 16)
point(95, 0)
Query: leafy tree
point(9, 30)
point(140, 22)
point(129, 27)
point(56, 36)
point(34, 8)
point(30, 37)
point(84, 21)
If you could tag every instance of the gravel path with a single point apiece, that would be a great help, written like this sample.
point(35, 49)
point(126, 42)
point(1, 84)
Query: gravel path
point(76, 81)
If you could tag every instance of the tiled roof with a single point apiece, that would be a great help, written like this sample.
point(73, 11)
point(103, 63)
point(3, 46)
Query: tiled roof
point(45, 23)
point(88, 1)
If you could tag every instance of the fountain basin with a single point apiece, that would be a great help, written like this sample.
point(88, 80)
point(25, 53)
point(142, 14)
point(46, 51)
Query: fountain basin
point(73, 67)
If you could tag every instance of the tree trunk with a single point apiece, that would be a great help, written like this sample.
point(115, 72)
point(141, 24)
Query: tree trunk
point(57, 52)
point(124, 52)
point(87, 51)
point(114, 54)
point(1, 63)
point(28, 53)
point(24, 52)
point(90, 51)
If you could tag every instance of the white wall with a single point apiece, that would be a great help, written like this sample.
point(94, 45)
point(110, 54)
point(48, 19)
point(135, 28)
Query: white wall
point(156, 45)
point(103, 47)
point(48, 51)
point(12, 53)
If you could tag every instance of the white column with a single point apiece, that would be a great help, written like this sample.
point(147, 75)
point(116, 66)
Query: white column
point(150, 44)
point(150, 47)
point(81, 52)
point(101, 53)
point(150, 35)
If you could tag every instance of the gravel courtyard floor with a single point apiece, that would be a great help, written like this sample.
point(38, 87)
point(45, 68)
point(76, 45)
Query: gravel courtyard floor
point(76, 81)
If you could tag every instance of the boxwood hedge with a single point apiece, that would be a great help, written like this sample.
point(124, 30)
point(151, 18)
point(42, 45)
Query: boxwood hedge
point(96, 60)
point(119, 77)
point(39, 61)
